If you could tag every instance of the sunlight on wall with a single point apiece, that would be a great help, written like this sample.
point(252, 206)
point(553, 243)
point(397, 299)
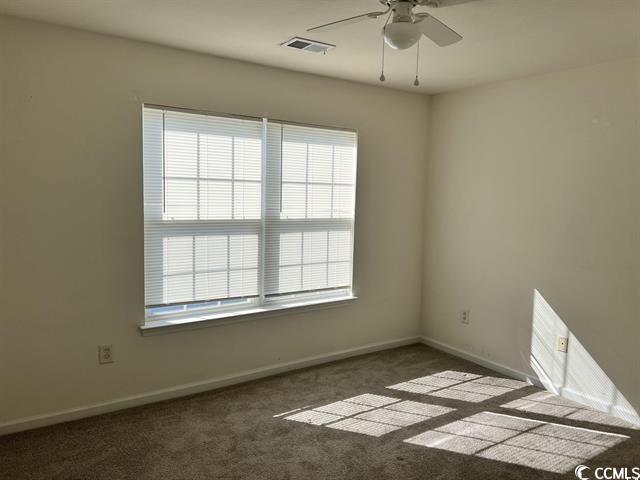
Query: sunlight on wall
point(574, 375)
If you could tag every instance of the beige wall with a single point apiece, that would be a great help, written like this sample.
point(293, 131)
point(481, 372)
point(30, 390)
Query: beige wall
point(534, 184)
point(71, 198)
point(531, 185)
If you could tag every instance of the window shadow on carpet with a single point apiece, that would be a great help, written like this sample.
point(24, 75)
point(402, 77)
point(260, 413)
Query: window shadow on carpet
point(530, 443)
point(369, 414)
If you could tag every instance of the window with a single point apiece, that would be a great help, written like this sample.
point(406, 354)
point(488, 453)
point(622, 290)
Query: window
point(244, 213)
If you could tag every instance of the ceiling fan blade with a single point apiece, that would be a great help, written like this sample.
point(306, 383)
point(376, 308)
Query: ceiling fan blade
point(437, 31)
point(450, 3)
point(442, 3)
point(346, 21)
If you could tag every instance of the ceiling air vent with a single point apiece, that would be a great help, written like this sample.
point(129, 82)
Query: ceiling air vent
point(307, 45)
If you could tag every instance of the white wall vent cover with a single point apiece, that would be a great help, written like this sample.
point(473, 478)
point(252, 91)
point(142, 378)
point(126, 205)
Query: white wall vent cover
point(307, 45)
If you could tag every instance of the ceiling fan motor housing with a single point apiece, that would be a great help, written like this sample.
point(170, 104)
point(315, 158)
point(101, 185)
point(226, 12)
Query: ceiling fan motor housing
point(422, 3)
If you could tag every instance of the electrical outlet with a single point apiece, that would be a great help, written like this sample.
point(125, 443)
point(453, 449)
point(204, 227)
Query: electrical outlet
point(465, 316)
point(563, 344)
point(105, 353)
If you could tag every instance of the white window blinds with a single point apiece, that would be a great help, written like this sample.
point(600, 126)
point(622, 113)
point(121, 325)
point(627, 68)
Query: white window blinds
point(244, 210)
point(310, 209)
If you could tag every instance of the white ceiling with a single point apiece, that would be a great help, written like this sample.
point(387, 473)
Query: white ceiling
point(503, 39)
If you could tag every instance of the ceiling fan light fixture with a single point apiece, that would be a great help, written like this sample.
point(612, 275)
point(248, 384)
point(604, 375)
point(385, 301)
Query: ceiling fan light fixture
point(403, 27)
point(402, 35)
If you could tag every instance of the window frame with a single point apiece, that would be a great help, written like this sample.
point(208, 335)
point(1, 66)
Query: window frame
point(262, 303)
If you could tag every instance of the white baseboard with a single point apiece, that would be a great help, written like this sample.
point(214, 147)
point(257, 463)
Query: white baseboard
point(29, 423)
point(191, 388)
point(472, 357)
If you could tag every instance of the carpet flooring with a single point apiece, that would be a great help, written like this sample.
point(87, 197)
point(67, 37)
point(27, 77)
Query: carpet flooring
point(406, 413)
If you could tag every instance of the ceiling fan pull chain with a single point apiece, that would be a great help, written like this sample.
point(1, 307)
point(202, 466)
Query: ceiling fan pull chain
point(382, 77)
point(416, 82)
point(384, 28)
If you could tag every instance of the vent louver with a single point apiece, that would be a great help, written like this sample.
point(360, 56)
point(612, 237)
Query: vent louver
point(307, 45)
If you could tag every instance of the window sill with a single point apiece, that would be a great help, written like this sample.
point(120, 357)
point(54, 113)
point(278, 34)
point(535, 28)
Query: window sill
point(156, 327)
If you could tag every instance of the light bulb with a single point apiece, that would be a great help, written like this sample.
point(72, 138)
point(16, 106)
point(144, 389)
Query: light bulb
point(402, 35)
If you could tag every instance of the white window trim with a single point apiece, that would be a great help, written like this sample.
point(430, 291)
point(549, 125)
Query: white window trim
point(260, 306)
point(217, 319)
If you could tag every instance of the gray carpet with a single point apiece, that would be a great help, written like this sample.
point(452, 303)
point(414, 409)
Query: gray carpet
point(444, 418)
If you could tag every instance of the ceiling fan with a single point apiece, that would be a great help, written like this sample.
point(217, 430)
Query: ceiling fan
point(403, 27)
